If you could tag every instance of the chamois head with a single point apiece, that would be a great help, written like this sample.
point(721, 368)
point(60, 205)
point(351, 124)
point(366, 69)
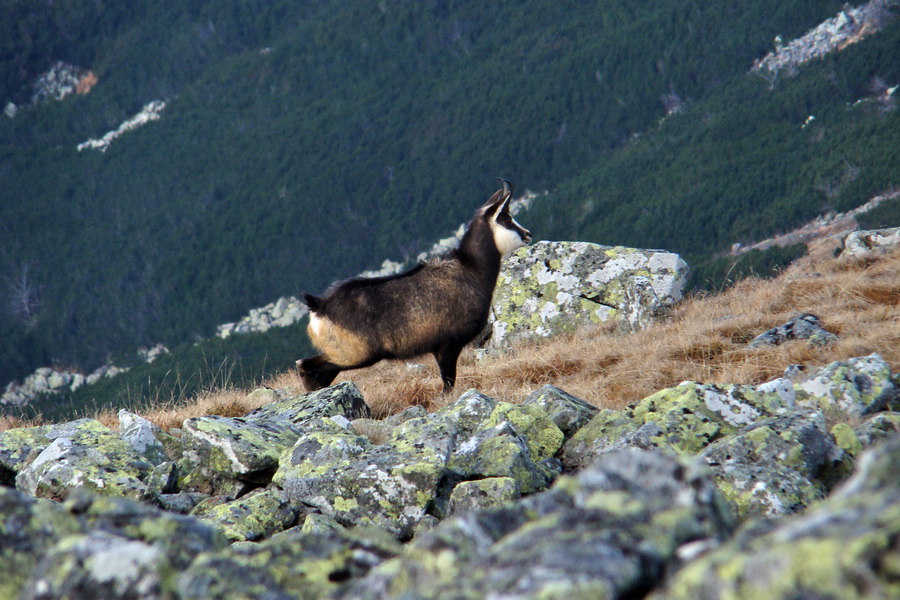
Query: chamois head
point(507, 233)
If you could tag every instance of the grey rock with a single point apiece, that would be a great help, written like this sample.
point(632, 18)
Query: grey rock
point(803, 327)
point(867, 243)
point(85, 454)
point(482, 493)
point(288, 566)
point(226, 455)
point(141, 434)
point(776, 466)
point(101, 565)
point(557, 287)
point(255, 516)
point(565, 410)
point(578, 539)
point(837, 549)
point(854, 388)
point(343, 399)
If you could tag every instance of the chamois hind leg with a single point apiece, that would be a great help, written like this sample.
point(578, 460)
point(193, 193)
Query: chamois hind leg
point(446, 357)
point(317, 372)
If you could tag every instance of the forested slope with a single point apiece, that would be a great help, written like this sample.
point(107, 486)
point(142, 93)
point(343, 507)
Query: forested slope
point(303, 142)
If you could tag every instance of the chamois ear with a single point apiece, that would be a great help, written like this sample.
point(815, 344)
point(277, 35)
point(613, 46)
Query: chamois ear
point(494, 199)
point(500, 199)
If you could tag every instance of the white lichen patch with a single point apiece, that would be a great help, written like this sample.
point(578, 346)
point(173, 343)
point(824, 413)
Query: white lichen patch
point(734, 411)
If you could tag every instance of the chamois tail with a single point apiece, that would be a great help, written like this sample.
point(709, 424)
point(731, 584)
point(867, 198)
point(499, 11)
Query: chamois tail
point(313, 302)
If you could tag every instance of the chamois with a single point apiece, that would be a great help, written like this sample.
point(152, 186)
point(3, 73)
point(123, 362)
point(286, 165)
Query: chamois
point(435, 308)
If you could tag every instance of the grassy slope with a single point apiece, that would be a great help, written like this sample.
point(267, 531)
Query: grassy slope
point(703, 339)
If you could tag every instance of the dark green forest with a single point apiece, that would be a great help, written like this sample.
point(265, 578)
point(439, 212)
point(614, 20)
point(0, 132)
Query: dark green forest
point(303, 142)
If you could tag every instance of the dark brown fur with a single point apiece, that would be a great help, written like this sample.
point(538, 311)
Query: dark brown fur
point(436, 308)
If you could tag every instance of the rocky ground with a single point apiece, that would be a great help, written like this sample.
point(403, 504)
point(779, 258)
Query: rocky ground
point(698, 491)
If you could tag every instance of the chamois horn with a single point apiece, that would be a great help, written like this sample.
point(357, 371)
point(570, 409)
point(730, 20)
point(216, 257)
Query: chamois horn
point(507, 186)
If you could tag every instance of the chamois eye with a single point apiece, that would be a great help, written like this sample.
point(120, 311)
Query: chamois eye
point(504, 218)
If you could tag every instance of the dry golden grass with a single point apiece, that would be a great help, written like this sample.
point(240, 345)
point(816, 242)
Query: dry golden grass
point(703, 339)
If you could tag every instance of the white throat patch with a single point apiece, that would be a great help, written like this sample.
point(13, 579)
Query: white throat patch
point(506, 240)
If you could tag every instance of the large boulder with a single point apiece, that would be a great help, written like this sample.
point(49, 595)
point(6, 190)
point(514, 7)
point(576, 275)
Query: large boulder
point(684, 419)
point(557, 287)
point(94, 546)
point(229, 456)
point(866, 243)
point(82, 453)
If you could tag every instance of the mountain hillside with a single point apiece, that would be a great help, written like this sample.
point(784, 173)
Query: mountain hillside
point(289, 145)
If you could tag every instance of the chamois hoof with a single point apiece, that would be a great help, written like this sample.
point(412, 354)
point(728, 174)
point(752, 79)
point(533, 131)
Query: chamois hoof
point(315, 373)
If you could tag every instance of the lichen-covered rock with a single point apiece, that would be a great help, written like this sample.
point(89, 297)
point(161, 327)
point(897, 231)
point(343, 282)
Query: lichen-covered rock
point(804, 327)
point(684, 419)
point(253, 517)
point(288, 567)
point(855, 387)
point(865, 243)
point(317, 522)
point(101, 565)
point(605, 533)
point(609, 430)
point(142, 435)
point(776, 466)
point(482, 493)
point(28, 529)
point(487, 438)
point(181, 537)
point(18, 447)
point(383, 487)
point(238, 448)
point(557, 287)
point(844, 547)
point(877, 428)
point(230, 456)
point(393, 484)
point(342, 399)
point(93, 546)
point(565, 410)
point(496, 452)
point(87, 454)
point(162, 479)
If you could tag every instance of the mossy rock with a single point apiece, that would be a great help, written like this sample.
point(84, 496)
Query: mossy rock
point(483, 493)
point(85, 454)
point(840, 548)
point(253, 517)
point(854, 388)
point(298, 566)
point(549, 288)
point(567, 412)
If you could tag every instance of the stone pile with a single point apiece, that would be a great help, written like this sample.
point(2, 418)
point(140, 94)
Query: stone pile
point(46, 380)
point(150, 112)
point(52, 381)
point(677, 496)
point(281, 313)
point(58, 82)
point(849, 26)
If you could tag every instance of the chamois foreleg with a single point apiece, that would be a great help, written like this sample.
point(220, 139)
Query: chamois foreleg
point(447, 356)
point(317, 372)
